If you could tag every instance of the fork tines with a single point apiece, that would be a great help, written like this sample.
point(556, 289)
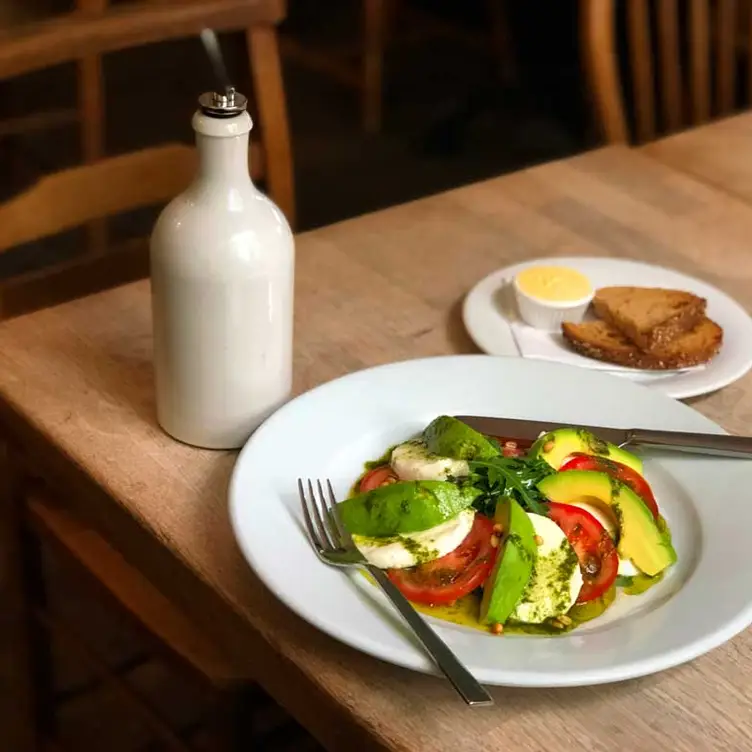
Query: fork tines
point(322, 522)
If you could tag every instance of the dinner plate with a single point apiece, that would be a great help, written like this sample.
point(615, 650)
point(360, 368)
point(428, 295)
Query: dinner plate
point(329, 432)
point(491, 320)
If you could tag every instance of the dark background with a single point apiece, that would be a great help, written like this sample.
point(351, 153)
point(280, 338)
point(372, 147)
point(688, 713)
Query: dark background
point(448, 120)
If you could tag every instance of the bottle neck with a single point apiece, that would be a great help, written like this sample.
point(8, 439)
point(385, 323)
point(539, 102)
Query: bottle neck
point(223, 158)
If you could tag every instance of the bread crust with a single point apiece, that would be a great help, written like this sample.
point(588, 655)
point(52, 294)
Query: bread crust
point(601, 341)
point(683, 312)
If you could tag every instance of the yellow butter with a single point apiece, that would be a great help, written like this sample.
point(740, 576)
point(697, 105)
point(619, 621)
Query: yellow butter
point(553, 283)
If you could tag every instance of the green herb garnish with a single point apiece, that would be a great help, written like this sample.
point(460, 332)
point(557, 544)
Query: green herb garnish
point(513, 477)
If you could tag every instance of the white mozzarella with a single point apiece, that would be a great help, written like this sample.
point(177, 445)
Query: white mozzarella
point(556, 580)
point(409, 549)
point(413, 461)
point(627, 569)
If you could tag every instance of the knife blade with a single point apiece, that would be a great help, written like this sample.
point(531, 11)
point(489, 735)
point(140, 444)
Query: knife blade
point(530, 430)
point(718, 444)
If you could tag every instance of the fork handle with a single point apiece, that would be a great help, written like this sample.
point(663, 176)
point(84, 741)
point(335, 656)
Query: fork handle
point(464, 682)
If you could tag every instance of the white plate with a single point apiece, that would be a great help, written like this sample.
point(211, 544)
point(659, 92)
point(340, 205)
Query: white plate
point(488, 322)
point(332, 430)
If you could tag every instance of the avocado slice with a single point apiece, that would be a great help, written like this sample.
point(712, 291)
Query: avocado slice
point(514, 564)
point(556, 446)
point(640, 539)
point(449, 437)
point(407, 507)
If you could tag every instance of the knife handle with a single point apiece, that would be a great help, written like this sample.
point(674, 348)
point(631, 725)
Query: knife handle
point(721, 445)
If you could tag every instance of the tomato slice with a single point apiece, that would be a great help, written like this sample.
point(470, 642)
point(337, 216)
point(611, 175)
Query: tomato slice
point(616, 470)
point(513, 447)
point(379, 476)
point(458, 573)
point(594, 547)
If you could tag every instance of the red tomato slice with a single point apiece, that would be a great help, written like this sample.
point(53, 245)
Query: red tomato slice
point(591, 542)
point(379, 476)
point(458, 573)
point(513, 447)
point(616, 470)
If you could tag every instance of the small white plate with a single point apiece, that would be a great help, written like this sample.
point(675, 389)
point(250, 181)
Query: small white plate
point(332, 430)
point(489, 317)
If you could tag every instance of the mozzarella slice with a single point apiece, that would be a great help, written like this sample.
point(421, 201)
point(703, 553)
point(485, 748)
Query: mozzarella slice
point(626, 568)
point(400, 551)
point(556, 580)
point(602, 516)
point(413, 461)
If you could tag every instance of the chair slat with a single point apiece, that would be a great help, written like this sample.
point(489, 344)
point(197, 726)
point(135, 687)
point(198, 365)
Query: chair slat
point(135, 596)
point(600, 61)
point(726, 55)
point(641, 59)
point(699, 59)
point(670, 63)
point(73, 197)
point(93, 127)
point(158, 725)
point(75, 35)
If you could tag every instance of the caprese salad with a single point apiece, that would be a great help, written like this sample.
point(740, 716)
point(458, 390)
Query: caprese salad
point(489, 533)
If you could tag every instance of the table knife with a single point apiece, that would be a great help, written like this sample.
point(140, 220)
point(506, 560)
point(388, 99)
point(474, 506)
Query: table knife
point(722, 445)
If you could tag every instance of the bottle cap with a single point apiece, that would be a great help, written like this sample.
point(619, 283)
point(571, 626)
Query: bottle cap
point(225, 105)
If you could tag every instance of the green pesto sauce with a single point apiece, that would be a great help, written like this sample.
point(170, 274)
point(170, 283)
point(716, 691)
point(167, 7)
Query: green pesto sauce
point(383, 460)
point(637, 584)
point(466, 611)
point(421, 553)
point(593, 443)
point(567, 564)
point(616, 485)
point(522, 550)
point(367, 467)
point(550, 576)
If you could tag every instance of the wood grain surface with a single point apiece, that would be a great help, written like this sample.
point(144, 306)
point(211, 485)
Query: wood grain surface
point(719, 154)
point(76, 395)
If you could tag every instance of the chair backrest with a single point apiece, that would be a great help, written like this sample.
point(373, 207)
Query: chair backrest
point(87, 194)
point(676, 62)
point(72, 36)
point(70, 198)
point(73, 197)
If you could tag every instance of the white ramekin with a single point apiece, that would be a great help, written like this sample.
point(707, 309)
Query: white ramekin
point(549, 315)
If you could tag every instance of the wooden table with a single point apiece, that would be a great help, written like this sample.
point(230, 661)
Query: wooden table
point(719, 154)
point(76, 394)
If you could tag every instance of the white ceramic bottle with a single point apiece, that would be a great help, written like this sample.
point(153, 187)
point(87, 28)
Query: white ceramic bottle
point(222, 276)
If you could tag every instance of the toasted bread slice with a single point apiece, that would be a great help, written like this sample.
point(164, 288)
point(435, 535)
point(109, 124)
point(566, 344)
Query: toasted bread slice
point(600, 340)
point(649, 316)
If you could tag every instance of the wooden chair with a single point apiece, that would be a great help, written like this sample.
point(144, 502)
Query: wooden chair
point(31, 41)
point(228, 722)
point(167, 635)
point(152, 176)
point(148, 177)
point(360, 66)
point(681, 64)
point(79, 197)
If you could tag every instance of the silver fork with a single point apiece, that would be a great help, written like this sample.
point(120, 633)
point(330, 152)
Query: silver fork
point(333, 545)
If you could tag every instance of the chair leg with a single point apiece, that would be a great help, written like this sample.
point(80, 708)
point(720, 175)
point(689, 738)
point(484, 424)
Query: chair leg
point(91, 107)
point(503, 45)
point(374, 39)
point(231, 723)
point(26, 711)
point(269, 92)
